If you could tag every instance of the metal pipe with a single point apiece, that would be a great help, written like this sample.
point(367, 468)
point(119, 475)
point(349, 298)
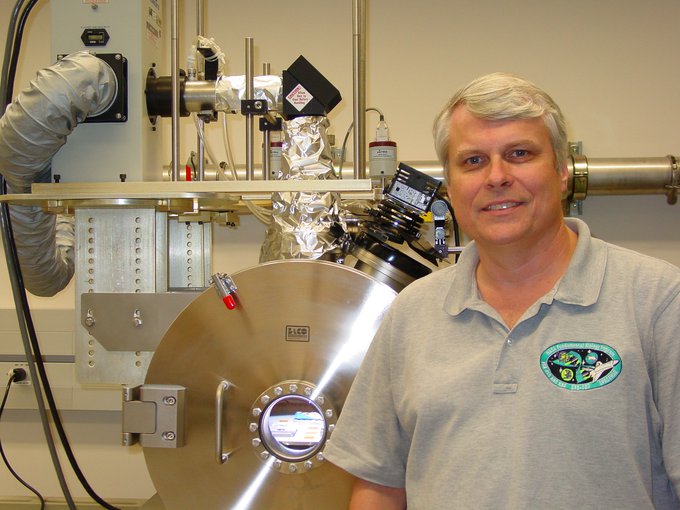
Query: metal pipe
point(200, 149)
point(629, 176)
point(267, 138)
point(200, 18)
point(359, 86)
point(174, 22)
point(200, 125)
point(199, 95)
point(250, 149)
point(606, 176)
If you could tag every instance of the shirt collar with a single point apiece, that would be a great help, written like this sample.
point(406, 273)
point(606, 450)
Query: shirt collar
point(580, 285)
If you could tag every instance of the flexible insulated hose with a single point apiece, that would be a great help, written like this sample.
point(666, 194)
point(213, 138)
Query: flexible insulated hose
point(32, 130)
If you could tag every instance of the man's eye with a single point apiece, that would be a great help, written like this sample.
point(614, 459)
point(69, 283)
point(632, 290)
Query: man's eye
point(519, 153)
point(474, 160)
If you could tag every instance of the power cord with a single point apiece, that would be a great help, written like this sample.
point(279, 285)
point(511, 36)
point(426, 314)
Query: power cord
point(16, 375)
point(32, 348)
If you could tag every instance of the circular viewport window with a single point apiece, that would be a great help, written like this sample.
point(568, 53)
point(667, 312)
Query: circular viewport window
point(293, 428)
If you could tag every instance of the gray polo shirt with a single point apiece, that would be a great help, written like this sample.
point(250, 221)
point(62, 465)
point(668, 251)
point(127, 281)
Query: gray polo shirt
point(576, 406)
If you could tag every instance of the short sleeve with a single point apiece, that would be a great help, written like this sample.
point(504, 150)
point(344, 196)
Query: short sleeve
point(368, 440)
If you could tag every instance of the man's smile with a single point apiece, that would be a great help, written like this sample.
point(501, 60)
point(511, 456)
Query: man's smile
point(500, 206)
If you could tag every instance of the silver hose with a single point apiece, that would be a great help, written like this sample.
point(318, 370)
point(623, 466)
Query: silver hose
point(33, 129)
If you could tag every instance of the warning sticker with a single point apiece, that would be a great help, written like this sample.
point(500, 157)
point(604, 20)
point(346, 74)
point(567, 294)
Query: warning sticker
point(299, 97)
point(153, 23)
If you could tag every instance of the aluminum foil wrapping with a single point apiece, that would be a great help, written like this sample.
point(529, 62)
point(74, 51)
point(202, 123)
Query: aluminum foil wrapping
point(230, 90)
point(301, 221)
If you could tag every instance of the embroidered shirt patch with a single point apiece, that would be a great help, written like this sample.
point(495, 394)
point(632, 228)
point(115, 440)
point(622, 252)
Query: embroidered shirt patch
point(581, 365)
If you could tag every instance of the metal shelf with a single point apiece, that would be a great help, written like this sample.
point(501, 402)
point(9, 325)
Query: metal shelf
point(179, 197)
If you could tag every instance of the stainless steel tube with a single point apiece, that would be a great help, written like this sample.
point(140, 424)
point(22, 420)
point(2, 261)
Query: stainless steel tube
point(200, 125)
point(250, 149)
point(629, 176)
point(266, 142)
point(174, 51)
point(199, 95)
point(359, 86)
point(200, 18)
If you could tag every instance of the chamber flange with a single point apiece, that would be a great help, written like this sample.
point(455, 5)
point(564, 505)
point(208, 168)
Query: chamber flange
point(289, 424)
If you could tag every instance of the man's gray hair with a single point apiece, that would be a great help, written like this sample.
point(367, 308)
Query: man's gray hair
point(502, 96)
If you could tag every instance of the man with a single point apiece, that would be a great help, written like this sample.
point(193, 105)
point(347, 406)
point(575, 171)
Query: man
point(538, 372)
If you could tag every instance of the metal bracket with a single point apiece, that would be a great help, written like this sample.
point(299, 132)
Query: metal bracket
point(253, 107)
point(153, 415)
point(672, 193)
point(579, 190)
point(125, 321)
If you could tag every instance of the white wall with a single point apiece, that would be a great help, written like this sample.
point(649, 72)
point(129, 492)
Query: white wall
point(611, 64)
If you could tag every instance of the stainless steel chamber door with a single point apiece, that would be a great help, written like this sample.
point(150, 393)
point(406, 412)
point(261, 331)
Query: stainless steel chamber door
point(265, 383)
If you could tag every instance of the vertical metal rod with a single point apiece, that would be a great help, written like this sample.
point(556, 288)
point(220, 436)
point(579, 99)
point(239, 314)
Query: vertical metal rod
point(250, 151)
point(200, 125)
point(266, 143)
point(174, 50)
point(359, 86)
point(200, 19)
point(200, 148)
point(267, 140)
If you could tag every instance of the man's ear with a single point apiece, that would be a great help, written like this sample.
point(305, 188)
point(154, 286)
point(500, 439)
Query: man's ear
point(564, 178)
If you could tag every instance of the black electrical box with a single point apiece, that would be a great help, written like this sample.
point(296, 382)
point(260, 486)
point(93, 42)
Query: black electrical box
point(306, 91)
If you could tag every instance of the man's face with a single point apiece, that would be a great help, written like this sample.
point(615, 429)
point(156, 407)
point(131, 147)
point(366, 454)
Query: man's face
point(502, 180)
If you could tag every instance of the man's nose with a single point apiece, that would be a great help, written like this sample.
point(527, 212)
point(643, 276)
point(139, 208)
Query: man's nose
point(498, 173)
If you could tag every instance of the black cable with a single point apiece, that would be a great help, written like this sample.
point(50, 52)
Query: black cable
point(27, 335)
point(455, 227)
point(456, 230)
point(19, 289)
point(2, 451)
point(16, 279)
point(9, 45)
point(16, 48)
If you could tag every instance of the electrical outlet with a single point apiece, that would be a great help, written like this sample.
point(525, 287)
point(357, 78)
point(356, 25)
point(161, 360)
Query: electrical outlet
point(27, 380)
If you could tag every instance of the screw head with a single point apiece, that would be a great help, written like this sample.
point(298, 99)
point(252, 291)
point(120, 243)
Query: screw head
point(169, 435)
point(169, 401)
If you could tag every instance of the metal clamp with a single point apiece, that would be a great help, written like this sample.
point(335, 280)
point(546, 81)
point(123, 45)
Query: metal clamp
point(226, 289)
point(672, 193)
point(220, 456)
point(580, 186)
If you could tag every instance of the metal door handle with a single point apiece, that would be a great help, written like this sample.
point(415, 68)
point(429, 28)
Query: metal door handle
point(220, 456)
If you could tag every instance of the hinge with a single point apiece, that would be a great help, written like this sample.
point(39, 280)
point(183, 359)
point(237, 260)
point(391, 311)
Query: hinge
point(153, 415)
